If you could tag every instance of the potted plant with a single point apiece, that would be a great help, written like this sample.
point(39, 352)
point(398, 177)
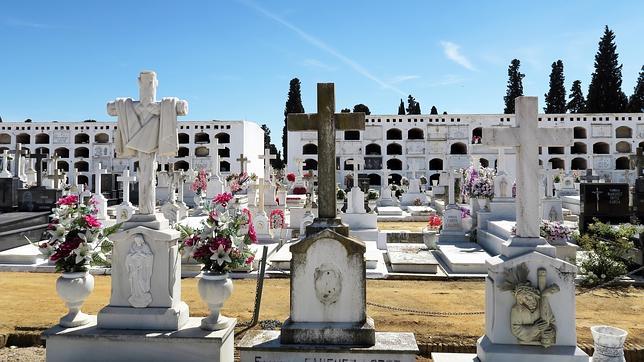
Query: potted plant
point(340, 196)
point(554, 232)
point(221, 244)
point(199, 187)
point(482, 190)
point(372, 200)
point(76, 242)
point(557, 182)
point(431, 231)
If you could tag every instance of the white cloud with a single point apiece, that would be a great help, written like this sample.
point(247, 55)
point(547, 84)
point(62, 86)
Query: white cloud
point(315, 63)
point(453, 53)
point(403, 78)
point(358, 68)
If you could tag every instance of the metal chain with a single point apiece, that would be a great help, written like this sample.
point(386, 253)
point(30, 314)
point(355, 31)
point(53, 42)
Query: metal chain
point(423, 312)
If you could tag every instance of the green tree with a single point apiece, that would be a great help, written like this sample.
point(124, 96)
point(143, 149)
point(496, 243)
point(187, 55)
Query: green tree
point(515, 86)
point(605, 90)
point(345, 110)
point(434, 110)
point(636, 103)
point(361, 108)
point(413, 107)
point(293, 105)
point(267, 136)
point(556, 96)
point(277, 163)
point(577, 103)
point(401, 107)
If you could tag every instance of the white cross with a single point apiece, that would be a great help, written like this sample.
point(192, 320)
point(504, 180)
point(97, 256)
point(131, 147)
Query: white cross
point(450, 187)
point(267, 157)
point(300, 166)
point(355, 163)
point(500, 161)
point(97, 178)
point(261, 195)
point(5, 165)
point(214, 156)
point(126, 179)
point(548, 172)
point(242, 162)
point(527, 137)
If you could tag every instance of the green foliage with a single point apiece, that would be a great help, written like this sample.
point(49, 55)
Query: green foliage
point(267, 136)
point(401, 108)
point(556, 96)
point(413, 107)
point(577, 103)
point(345, 110)
point(434, 110)
point(372, 195)
point(636, 102)
point(515, 86)
point(607, 249)
point(605, 90)
point(361, 108)
point(340, 194)
point(293, 105)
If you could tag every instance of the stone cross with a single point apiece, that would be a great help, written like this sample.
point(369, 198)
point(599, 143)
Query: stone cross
point(549, 173)
point(355, 163)
point(326, 122)
point(175, 184)
point(97, 179)
point(588, 177)
point(18, 153)
point(261, 196)
point(526, 137)
point(267, 157)
point(56, 176)
point(637, 161)
point(412, 168)
point(39, 157)
point(214, 156)
point(500, 160)
point(125, 179)
point(300, 166)
point(242, 163)
point(5, 165)
point(181, 179)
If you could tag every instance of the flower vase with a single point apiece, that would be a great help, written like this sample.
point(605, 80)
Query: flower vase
point(609, 343)
point(198, 200)
point(482, 203)
point(576, 185)
point(215, 289)
point(73, 288)
point(339, 204)
point(372, 206)
point(557, 185)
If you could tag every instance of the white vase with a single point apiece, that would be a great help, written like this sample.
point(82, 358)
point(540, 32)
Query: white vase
point(372, 206)
point(429, 238)
point(197, 200)
point(74, 288)
point(482, 202)
point(215, 289)
point(576, 185)
point(557, 185)
point(434, 182)
point(339, 204)
point(609, 343)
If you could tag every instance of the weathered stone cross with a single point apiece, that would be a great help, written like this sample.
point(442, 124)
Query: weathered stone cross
point(356, 163)
point(97, 179)
point(5, 165)
point(125, 179)
point(38, 157)
point(18, 153)
point(242, 163)
point(588, 177)
point(214, 156)
point(57, 176)
point(526, 137)
point(326, 122)
point(637, 161)
point(267, 157)
point(549, 173)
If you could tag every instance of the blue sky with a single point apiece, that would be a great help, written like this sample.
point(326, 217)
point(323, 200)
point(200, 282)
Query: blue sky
point(63, 60)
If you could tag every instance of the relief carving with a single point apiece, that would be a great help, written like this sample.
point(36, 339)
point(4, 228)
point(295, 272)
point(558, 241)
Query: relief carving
point(138, 262)
point(328, 283)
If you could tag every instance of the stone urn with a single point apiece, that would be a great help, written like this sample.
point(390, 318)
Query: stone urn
point(73, 288)
point(372, 205)
point(482, 201)
point(215, 289)
point(557, 185)
point(198, 200)
point(609, 343)
point(430, 236)
point(339, 204)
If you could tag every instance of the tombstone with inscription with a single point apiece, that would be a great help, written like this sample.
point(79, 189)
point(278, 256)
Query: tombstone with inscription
point(39, 197)
point(608, 202)
point(453, 230)
point(328, 317)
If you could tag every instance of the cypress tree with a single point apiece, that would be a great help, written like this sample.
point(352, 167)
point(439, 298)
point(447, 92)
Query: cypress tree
point(434, 110)
point(412, 106)
point(515, 86)
point(556, 96)
point(605, 89)
point(577, 103)
point(361, 108)
point(636, 103)
point(401, 107)
point(267, 136)
point(293, 105)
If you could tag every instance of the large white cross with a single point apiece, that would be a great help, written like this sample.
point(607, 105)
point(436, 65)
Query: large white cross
point(97, 178)
point(214, 156)
point(125, 179)
point(242, 163)
point(355, 163)
point(526, 137)
point(267, 157)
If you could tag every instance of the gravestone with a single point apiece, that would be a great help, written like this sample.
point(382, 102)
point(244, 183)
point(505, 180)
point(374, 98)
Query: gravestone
point(215, 182)
point(551, 206)
point(453, 230)
point(125, 210)
point(99, 200)
point(9, 186)
point(608, 202)
point(39, 197)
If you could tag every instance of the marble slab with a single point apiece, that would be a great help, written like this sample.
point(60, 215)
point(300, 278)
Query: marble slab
point(389, 211)
point(26, 254)
point(411, 258)
point(463, 258)
point(420, 210)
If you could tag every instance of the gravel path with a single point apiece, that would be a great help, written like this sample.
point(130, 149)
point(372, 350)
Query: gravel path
point(29, 354)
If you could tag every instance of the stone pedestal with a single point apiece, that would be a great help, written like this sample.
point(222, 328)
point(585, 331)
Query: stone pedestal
point(154, 300)
point(262, 227)
point(189, 343)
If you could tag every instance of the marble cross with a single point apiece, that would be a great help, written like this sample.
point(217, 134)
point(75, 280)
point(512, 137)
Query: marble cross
point(356, 163)
point(526, 137)
point(637, 161)
point(588, 177)
point(18, 153)
point(260, 188)
point(549, 173)
point(5, 165)
point(57, 176)
point(125, 179)
point(500, 161)
point(451, 187)
point(326, 122)
point(214, 156)
point(242, 163)
point(39, 157)
point(267, 157)
point(97, 178)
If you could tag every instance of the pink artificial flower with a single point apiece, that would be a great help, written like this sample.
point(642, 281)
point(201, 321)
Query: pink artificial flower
point(68, 200)
point(223, 198)
point(251, 233)
point(249, 260)
point(249, 217)
point(290, 177)
point(92, 221)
